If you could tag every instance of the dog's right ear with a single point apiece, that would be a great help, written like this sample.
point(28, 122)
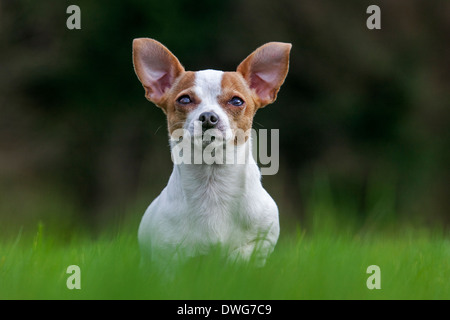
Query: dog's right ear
point(156, 67)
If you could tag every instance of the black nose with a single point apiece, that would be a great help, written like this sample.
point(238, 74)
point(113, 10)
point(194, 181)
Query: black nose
point(208, 119)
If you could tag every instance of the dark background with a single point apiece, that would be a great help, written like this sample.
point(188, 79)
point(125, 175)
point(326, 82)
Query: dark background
point(363, 114)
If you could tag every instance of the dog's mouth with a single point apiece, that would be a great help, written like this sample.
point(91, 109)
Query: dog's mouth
point(212, 136)
point(208, 139)
point(217, 135)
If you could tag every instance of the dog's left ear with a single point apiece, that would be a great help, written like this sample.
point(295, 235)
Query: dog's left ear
point(265, 70)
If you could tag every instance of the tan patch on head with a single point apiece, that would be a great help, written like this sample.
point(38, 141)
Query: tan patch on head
point(177, 114)
point(234, 85)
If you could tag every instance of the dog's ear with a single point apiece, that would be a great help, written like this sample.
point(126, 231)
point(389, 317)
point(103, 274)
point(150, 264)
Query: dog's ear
point(265, 70)
point(156, 67)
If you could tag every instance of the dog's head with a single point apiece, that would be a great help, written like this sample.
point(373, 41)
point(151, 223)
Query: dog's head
point(210, 99)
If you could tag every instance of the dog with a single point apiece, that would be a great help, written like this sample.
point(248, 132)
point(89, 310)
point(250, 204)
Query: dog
point(205, 206)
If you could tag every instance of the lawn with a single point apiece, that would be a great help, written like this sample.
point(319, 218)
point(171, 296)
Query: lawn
point(327, 264)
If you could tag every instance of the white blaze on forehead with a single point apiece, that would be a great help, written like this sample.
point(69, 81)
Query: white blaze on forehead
point(207, 87)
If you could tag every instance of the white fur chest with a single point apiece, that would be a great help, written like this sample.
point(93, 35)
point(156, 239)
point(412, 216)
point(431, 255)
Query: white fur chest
point(205, 206)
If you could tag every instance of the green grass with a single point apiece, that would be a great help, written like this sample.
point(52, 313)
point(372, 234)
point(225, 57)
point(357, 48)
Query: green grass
point(326, 264)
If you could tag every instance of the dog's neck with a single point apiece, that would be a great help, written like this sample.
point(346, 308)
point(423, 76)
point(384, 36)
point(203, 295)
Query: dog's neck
point(212, 185)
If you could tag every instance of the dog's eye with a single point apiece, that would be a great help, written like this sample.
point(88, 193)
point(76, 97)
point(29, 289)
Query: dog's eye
point(236, 101)
point(184, 99)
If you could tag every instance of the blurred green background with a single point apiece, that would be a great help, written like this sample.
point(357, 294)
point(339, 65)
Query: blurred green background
point(363, 114)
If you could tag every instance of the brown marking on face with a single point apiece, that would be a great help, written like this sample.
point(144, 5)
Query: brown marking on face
point(234, 85)
point(176, 112)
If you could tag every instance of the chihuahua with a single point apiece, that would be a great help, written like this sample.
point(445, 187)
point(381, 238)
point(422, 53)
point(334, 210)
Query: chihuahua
point(220, 204)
